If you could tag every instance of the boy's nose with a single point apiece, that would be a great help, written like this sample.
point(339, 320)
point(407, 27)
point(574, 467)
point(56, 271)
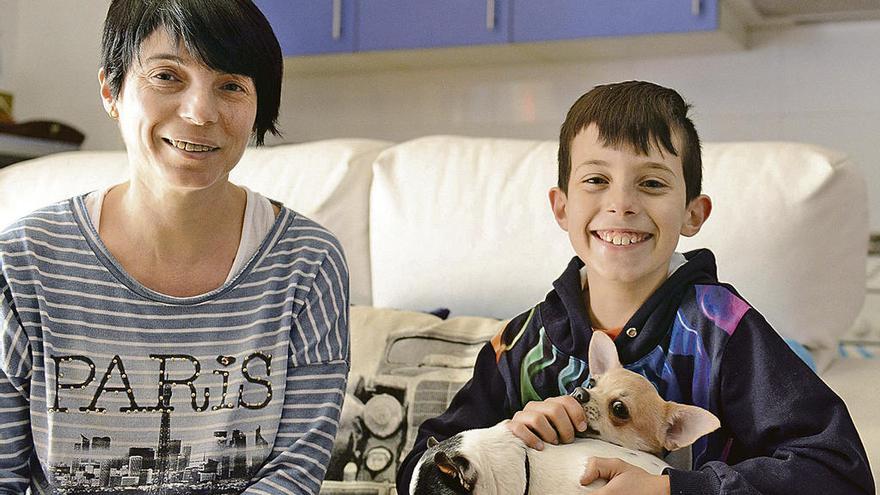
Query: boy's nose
point(581, 394)
point(622, 201)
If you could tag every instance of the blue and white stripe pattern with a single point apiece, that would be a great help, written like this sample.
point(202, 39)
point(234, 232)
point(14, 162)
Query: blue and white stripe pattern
point(105, 383)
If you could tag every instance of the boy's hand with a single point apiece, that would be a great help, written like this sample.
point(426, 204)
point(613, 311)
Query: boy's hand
point(623, 478)
point(553, 420)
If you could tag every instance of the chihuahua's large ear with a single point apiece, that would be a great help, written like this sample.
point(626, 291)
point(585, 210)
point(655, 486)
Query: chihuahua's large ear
point(455, 467)
point(603, 354)
point(686, 424)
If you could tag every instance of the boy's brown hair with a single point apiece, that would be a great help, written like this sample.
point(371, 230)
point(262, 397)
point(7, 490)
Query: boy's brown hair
point(638, 114)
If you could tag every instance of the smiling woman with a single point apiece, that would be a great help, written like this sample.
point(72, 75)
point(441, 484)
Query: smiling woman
point(142, 288)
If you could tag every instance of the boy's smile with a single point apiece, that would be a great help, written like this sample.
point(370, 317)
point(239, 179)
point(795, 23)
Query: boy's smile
point(624, 212)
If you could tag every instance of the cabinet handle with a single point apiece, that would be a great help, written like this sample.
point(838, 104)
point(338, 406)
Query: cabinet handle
point(696, 7)
point(337, 19)
point(490, 15)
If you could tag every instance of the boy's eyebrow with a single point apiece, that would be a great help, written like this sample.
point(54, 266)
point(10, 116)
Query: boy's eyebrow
point(658, 166)
point(602, 163)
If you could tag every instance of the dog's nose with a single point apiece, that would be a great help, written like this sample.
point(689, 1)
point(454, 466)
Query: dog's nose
point(581, 394)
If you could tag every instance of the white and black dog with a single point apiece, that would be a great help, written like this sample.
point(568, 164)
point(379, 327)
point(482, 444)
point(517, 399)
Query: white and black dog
point(627, 419)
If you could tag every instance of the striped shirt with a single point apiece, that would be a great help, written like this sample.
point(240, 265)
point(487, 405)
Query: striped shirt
point(106, 384)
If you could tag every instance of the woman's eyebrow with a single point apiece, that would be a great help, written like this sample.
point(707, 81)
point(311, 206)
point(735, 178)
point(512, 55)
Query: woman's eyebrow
point(166, 57)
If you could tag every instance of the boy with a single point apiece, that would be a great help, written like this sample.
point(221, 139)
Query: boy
point(629, 185)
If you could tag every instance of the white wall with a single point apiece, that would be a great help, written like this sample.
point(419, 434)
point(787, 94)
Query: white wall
point(816, 83)
point(9, 9)
point(53, 68)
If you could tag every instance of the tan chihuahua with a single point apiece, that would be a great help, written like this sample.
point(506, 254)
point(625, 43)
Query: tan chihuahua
point(624, 408)
point(626, 418)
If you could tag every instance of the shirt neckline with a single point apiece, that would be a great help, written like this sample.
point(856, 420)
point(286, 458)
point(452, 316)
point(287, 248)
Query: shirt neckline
point(81, 217)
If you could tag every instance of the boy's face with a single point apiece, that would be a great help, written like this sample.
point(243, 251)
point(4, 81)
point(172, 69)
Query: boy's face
point(624, 212)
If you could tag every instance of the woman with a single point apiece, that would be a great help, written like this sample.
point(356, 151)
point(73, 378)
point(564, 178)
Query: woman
point(175, 333)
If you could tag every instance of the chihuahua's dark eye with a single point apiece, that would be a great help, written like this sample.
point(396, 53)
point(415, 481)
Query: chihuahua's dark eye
point(591, 383)
point(619, 410)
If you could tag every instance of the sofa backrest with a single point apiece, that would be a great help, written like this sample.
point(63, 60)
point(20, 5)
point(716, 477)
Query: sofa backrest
point(465, 224)
point(327, 181)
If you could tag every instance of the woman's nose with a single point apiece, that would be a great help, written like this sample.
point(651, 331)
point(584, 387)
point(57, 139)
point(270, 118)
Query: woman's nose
point(199, 106)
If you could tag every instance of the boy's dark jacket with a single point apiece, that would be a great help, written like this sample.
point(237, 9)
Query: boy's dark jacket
point(783, 430)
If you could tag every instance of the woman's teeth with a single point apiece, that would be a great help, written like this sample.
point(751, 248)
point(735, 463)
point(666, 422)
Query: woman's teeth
point(190, 146)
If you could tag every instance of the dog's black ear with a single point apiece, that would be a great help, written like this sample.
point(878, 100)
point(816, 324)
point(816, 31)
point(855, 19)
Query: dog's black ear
point(432, 442)
point(455, 468)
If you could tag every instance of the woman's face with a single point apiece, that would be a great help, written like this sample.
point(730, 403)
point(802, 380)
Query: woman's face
point(184, 124)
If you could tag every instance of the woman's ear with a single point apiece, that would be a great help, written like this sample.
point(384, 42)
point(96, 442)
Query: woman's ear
point(558, 201)
point(696, 214)
point(107, 95)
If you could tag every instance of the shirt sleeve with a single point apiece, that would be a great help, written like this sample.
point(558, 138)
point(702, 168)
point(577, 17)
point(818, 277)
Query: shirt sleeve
point(317, 372)
point(16, 443)
point(791, 432)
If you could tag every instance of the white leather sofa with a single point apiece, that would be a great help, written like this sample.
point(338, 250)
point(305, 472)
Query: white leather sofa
point(465, 224)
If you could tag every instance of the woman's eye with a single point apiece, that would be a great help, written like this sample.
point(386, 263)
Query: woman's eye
point(164, 76)
point(619, 410)
point(233, 87)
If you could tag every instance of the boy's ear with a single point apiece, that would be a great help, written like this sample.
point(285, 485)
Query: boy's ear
point(685, 424)
point(558, 201)
point(696, 214)
point(603, 354)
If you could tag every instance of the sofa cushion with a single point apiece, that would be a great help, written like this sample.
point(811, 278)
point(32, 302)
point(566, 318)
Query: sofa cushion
point(405, 368)
point(327, 181)
point(465, 223)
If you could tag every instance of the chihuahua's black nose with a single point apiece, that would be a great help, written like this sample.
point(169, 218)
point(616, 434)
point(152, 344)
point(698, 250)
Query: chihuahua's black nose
point(581, 394)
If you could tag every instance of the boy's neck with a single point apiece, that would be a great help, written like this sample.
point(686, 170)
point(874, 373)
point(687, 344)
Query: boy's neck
point(611, 304)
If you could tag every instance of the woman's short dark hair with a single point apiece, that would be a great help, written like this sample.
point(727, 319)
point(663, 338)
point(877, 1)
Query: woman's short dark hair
point(230, 36)
point(638, 114)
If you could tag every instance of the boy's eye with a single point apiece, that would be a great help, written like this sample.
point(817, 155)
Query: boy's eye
point(595, 180)
point(653, 184)
point(619, 410)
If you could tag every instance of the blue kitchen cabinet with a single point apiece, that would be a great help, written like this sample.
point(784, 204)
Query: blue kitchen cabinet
point(406, 24)
point(312, 27)
point(548, 20)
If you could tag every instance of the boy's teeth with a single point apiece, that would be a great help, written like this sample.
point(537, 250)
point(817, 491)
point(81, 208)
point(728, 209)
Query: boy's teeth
point(622, 239)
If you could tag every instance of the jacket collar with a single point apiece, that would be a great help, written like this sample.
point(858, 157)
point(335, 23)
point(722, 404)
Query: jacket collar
point(567, 322)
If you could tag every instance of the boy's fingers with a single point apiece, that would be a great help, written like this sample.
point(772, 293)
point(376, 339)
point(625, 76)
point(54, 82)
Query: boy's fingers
point(575, 412)
point(601, 468)
point(525, 434)
point(539, 424)
point(567, 416)
point(538, 416)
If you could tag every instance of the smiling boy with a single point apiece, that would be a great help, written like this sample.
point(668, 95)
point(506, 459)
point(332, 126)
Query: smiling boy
point(629, 185)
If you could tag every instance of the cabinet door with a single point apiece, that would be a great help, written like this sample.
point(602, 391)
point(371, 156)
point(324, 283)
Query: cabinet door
point(401, 24)
point(309, 27)
point(568, 19)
